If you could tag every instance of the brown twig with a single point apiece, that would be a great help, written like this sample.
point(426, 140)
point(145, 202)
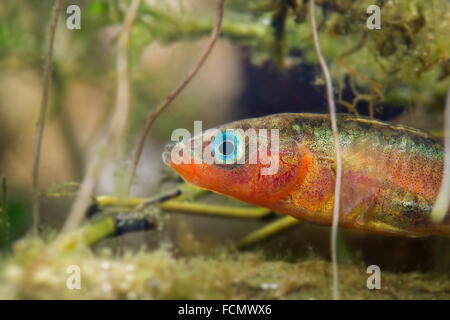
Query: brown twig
point(42, 114)
point(176, 91)
point(337, 188)
point(375, 90)
point(157, 200)
point(117, 126)
point(376, 87)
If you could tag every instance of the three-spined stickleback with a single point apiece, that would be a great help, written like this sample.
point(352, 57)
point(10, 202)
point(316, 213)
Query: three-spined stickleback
point(390, 174)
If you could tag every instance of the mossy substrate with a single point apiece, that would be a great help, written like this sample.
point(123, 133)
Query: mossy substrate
point(37, 271)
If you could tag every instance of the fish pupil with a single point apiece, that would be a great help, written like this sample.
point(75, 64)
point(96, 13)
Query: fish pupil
point(226, 148)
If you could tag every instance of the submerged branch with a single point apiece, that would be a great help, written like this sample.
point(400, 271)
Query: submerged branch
point(176, 91)
point(42, 114)
point(267, 231)
point(337, 188)
point(105, 227)
point(158, 200)
point(188, 207)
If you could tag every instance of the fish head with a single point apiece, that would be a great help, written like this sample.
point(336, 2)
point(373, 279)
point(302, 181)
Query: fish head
point(252, 160)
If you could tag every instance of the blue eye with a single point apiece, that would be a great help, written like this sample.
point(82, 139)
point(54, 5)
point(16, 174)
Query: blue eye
point(227, 147)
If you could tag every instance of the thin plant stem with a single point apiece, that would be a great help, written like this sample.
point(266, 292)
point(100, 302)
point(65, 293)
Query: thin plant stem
point(42, 114)
point(188, 207)
point(441, 206)
point(175, 92)
point(267, 231)
point(215, 210)
point(4, 217)
point(158, 200)
point(337, 188)
point(89, 234)
point(117, 126)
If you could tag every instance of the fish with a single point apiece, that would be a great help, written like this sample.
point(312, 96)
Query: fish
point(391, 174)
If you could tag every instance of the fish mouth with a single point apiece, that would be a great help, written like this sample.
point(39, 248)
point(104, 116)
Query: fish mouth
point(166, 155)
